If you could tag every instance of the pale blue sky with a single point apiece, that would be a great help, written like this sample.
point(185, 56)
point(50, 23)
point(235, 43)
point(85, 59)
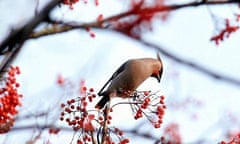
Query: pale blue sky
point(76, 55)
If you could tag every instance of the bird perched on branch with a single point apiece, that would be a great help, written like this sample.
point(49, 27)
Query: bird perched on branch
point(128, 77)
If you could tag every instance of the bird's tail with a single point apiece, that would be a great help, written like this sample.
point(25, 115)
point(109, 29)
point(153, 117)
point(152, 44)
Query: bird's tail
point(102, 102)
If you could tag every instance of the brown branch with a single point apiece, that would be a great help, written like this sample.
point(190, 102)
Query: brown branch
point(43, 127)
point(24, 33)
point(105, 125)
point(169, 8)
point(12, 44)
point(197, 67)
point(134, 131)
point(9, 57)
point(32, 115)
point(20, 35)
point(145, 135)
point(64, 27)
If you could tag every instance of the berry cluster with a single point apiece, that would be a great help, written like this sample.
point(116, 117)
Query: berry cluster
point(235, 140)
point(171, 134)
point(92, 34)
point(91, 125)
point(113, 134)
point(60, 80)
point(77, 116)
point(54, 130)
point(110, 141)
point(69, 2)
point(75, 111)
point(225, 33)
point(143, 14)
point(150, 105)
point(72, 2)
point(9, 99)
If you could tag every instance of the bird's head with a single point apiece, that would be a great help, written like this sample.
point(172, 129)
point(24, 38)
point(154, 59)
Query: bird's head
point(157, 75)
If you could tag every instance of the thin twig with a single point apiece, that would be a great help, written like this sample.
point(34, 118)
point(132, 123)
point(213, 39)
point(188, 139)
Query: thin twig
point(202, 69)
point(9, 57)
point(64, 27)
point(93, 139)
point(105, 125)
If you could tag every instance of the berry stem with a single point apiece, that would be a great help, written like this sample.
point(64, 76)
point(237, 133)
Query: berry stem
point(105, 125)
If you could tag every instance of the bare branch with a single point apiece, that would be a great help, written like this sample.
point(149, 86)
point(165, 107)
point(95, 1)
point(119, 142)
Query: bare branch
point(133, 131)
point(197, 67)
point(20, 35)
point(26, 32)
point(64, 27)
point(13, 43)
point(9, 57)
point(170, 8)
point(145, 135)
point(105, 125)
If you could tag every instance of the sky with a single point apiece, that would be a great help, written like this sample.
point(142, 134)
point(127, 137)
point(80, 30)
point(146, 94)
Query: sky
point(76, 55)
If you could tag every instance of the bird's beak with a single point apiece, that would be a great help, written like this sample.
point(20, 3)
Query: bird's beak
point(161, 70)
point(159, 78)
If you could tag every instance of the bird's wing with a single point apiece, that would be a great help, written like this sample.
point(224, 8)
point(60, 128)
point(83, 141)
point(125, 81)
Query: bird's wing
point(115, 74)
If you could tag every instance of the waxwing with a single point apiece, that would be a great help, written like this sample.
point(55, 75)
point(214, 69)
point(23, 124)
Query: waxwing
point(128, 77)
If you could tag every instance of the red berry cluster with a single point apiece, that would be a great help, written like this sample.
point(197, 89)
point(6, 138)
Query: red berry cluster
point(237, 17)
point(72, 2)
point(235, 140)
point(171, 134)
point(96, 2)
point(225, 33)
point(92, 34)
point(119, 136)
point(143, 14)
point(112, 130)
point(84, 139)
point(102, 118)
point(110, 141)
point(100, 19)
point(9, 99)
point(150, 105)
point(54, 130)
point(60, 80)
point(77, 116)
point(69, 2)
point(120, 133)
point(75, 112)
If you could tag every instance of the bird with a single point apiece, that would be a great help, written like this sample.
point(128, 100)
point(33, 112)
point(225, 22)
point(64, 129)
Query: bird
point(126, 79)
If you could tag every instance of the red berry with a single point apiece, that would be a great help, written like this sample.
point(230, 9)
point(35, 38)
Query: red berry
point(146, 93)
point(91, 90)
point(157, 125)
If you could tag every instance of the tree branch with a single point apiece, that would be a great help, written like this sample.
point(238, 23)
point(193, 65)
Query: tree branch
point(9, 57)
point(64, 27)
point(43, 127)
point(26, 32)
point(192, 65)
point(172, 7)
point(197, 67)
point(20, 35)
